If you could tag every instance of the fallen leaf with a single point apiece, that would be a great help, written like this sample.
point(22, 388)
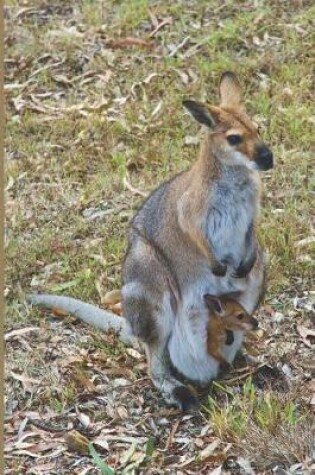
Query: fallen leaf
point(305, 303)
point(157, 109)
point(191, 140)
point(83, 418)
point(44, 468)
point(305, 242)
point(246, 466)
point(77, 442)
point(128, 41)
point(312, 388)
point(306, 334)
point(101, 442)
point(134, 353)
point(26, 452)
point(137, 459)
point(125, 457)
point(122, 412)
point(112, 297)
point(121, 372)
point(81, 378)
point(27, 382)
point(59, 312)
point(268, 309)
point(199, 442)
point(22, 428)
point(208, 451)
point(216, 471)
point(19, 332)
point(117, 308)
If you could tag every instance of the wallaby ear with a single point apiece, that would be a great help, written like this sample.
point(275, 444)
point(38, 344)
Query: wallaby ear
point(230, 90)
point(213, 303)
point(200, 112)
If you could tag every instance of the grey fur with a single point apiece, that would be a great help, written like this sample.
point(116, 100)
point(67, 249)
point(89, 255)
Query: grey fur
point(234, 200)
point(86, 312)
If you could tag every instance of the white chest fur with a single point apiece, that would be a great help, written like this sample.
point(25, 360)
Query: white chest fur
point(233, 209)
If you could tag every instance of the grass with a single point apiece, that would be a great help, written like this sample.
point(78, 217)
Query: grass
point(266, 411)
point(86, 119)
point(264, 425)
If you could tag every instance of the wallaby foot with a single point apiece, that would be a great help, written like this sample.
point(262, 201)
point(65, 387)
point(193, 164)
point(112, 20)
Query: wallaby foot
point(186, 398)
point(173, 391)
point(177, 394)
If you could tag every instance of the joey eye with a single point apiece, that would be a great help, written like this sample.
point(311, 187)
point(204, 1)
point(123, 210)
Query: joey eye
point(240, 316)
point(234, 139)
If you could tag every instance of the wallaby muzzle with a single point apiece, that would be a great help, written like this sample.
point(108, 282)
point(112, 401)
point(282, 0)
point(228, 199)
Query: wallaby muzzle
point(263, 157)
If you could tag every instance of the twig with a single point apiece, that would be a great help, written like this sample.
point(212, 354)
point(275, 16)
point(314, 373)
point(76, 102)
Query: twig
point(132, 189)
point(172, 433)
point(179, 46)
point(167, 21)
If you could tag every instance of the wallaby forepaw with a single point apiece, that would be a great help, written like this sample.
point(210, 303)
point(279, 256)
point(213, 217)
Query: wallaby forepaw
point(244, 268)
point(219, 269)
point(185, 399)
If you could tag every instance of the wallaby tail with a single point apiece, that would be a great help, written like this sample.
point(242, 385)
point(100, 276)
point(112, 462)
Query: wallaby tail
point(88, 313)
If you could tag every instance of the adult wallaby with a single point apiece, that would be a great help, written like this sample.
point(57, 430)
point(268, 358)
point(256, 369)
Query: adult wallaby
point(194, 235)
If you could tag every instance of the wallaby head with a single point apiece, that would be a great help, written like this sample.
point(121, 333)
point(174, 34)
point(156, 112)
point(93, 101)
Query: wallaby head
point(230, 312)
point(234, 136)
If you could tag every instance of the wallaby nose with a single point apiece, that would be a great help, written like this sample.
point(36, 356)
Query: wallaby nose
point(263, 157)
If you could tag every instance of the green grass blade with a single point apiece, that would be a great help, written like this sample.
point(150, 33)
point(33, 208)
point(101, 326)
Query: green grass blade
point(104, 468)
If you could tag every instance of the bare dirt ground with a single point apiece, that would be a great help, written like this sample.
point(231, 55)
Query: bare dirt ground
point(95, 122)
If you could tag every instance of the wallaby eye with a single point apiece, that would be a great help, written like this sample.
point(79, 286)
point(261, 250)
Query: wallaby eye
point(240, 316)
point(234, 139)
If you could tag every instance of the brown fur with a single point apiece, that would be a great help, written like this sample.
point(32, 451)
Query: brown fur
point(230, 315)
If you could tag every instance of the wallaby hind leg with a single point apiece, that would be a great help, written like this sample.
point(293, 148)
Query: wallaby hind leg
point(173, 391)
point(151, 319)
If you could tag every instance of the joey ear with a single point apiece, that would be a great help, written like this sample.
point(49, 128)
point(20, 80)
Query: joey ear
point(200, 112)
point(230, 90)
point(213, 303)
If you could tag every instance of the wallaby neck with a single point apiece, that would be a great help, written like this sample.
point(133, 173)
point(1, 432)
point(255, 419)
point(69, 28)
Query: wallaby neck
point(208, 166)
